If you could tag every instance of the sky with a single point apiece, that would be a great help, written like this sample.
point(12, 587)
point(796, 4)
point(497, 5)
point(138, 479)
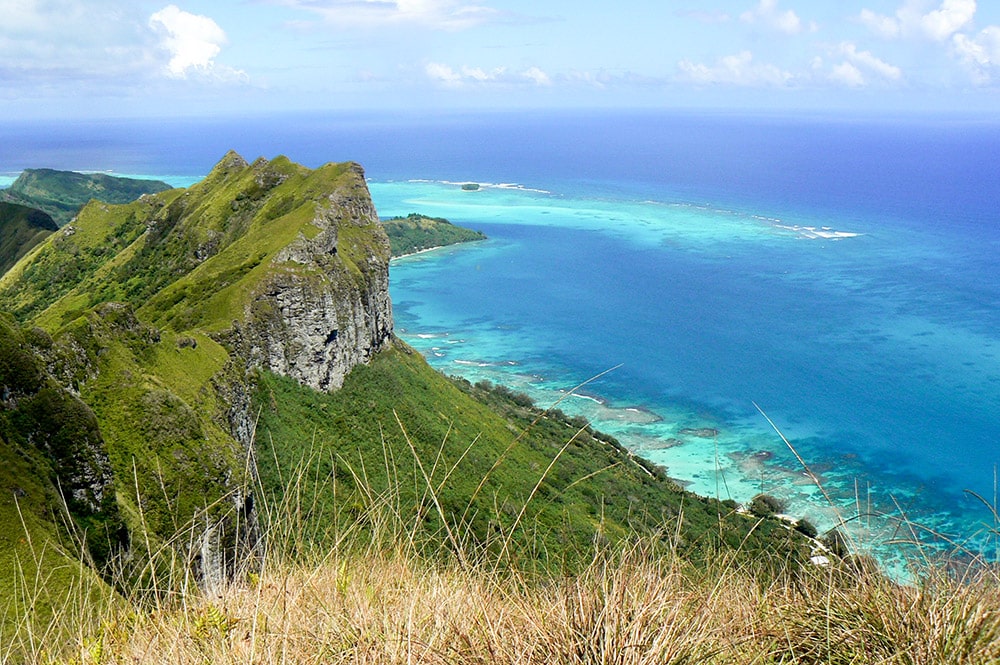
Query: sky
point(108, 59)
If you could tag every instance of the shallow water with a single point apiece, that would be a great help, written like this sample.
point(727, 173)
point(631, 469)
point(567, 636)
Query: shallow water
point(858, 341)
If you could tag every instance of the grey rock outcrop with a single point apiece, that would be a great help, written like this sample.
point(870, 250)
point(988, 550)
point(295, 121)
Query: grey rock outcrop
point(324, 307)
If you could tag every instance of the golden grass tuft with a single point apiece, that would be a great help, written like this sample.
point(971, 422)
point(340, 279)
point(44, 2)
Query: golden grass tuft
point(383, 599)
point(630, 606)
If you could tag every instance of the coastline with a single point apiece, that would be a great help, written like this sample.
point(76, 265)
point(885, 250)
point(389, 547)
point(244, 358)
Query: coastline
point(712, 270)
point(432, 249)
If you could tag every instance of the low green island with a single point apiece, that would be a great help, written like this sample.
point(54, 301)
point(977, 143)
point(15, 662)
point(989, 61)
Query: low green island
point(417, 233)
point(61, 194)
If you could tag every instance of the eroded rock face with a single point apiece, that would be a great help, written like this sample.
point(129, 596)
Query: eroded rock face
point(324, 307)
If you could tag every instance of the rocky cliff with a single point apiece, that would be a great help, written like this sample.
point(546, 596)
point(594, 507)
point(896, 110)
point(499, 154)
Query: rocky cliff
point(325, 307)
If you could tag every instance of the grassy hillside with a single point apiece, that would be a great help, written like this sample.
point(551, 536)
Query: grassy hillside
point(415, 233)
point(61, 194)
point(476, 461)
point(21, 228)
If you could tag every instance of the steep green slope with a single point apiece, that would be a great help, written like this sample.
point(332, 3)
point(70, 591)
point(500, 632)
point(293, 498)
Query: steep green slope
point(61, 193)
point(415, 233)
point(57, 494)
point(21, 228)
point(399, 432)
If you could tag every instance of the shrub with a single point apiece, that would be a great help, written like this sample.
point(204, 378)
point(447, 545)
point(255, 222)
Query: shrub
point(765, 505)
point(806, 528)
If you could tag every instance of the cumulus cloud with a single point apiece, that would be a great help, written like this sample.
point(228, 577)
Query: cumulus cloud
point(861, 68)
point(952, 16)
point(193, 42)
point(437, 14)
point(536, 76)
point(980, 54)
point(847, 74)
point(739, 69)
point(104, 47)
point(870, 63)
point(767, 13)
point(938, 24)
point(883, 26)
point(449, 77)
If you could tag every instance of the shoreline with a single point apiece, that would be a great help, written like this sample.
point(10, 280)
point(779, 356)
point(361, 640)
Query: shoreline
point(432, 249)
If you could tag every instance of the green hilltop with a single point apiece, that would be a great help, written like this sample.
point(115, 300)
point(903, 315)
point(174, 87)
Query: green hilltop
point(62, 193)
point(170, 366)
point(416, 233)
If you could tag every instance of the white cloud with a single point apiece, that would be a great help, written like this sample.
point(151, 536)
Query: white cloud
point(883, 26)
point(738, 69)
point(193, 42)
point(449, 77)
point(537, 76)
point(103, 48)
point(980, 54)
point(437, 14)
point(860, 68)
point(443, 74)
point(952, 16)
point(767, 12)
point(938, 24)
point(848, 75)
point(870, 63)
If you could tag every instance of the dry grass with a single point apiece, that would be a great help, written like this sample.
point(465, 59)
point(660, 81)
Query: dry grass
point(383, 599)
point(629, 606)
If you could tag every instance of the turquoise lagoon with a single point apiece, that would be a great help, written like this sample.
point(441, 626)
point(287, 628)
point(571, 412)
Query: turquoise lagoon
point(855, 337)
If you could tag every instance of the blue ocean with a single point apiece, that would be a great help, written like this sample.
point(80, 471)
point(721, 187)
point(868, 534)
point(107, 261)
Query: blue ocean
point(676, 276)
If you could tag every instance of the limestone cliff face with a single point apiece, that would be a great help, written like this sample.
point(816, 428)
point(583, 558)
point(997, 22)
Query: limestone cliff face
point(324, 306)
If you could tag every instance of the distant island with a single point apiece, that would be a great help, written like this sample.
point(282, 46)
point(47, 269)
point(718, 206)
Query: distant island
point(61, 194)
point(416, 233)
point(471, 187)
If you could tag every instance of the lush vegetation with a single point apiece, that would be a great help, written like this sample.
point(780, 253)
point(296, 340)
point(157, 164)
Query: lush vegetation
point(61, 194)
point(415, 233)
point(484, 454)
point(375, 592)
point(21, 228)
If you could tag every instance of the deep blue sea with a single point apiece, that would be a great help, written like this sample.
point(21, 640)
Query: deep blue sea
point(841, 273)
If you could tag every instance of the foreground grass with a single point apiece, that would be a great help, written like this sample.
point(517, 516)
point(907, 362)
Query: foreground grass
point(371, 551)
point(628, 606)
point(374, 593)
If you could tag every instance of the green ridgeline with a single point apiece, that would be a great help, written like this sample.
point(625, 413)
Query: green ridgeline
point(397, 429)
